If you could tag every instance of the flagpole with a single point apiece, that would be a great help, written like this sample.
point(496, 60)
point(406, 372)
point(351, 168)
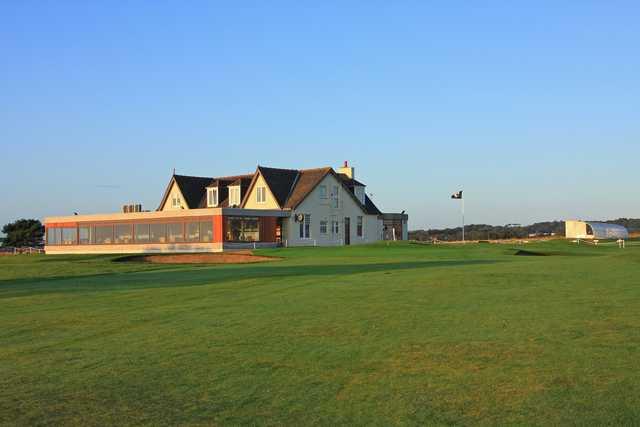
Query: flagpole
point(463, 220)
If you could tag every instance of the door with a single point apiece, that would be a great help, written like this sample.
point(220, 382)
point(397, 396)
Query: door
point(347, 230)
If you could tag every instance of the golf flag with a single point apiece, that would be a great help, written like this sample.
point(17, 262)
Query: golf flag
point(457, 195)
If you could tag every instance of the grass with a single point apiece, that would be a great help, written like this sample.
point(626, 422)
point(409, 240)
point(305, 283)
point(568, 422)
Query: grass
point(378, 335)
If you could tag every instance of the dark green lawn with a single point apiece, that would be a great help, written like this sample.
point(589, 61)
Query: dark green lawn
point(406, 335)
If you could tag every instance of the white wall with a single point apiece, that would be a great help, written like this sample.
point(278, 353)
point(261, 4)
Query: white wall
point(323, 210)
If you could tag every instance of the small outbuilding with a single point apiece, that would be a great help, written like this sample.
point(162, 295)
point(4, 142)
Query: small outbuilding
point(589, 230)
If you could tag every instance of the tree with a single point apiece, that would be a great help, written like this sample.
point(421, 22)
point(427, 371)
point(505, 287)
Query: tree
point(23, 232)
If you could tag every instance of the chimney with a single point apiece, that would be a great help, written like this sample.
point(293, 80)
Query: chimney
point(347, 170)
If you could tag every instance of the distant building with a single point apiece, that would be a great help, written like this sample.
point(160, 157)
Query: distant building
point(270, 207)
point(589, 230)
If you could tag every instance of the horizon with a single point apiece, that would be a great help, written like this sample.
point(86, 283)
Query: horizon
point(527, 108)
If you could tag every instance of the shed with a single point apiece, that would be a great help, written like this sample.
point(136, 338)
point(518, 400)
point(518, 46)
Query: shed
point(590, 230)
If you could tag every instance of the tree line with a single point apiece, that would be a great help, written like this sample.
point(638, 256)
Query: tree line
point(511, 231)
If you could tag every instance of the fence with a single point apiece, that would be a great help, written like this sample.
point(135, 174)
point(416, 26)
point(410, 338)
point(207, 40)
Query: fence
point(9, 250)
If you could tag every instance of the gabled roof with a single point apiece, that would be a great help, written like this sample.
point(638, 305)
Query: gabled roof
point(191, 188)
point(308, 179)
point(350, 182)
point(290, 187)
point(280, 182)
point(223, 184)
point(370, 207)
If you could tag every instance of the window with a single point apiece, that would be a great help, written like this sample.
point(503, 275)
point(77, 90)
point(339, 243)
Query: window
point(359, 192)
point(243, 229)
point(103, 234)
point(123, 233)
point(322, 190)
point(334, 196)
point(206, 231)
point(157, 233)
point(84, 234)
point(234, 196)
point(335, 225)
point(212, 197)
point(261, 194)
point(305, 227)
point(141, 232)
point(359, 227)
point(175, 232)
point(69, 235)
point(323, 227)
point(193, 231)
point(175, 201)
point(54, 236)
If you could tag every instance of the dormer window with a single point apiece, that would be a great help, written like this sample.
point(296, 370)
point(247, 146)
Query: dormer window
point(212, 197)
point(234, 195)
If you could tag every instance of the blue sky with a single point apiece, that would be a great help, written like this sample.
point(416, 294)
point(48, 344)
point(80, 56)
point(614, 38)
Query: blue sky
point(531, 108)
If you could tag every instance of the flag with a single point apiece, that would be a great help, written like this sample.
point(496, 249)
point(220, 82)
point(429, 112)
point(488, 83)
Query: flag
point(457, 196)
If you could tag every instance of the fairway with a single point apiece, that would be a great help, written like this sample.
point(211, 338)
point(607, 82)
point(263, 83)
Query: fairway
point(403, 334)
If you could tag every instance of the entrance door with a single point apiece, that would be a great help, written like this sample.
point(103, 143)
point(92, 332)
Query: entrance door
point(347, 230)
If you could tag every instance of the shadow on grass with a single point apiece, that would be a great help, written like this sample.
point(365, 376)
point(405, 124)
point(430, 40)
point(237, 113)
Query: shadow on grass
point(200, 276)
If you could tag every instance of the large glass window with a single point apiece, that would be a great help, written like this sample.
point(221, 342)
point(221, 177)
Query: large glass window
point(124, 233)
point(158, 233)
point(193, 231)
point(243, 229)
point(175, 232)
point(84, 233)
point(54, 236)
point(206, 231)
point(142, 233)
point(103, 234)
point(69, 236)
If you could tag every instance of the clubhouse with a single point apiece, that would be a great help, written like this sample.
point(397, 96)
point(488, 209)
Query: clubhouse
point(268, 208)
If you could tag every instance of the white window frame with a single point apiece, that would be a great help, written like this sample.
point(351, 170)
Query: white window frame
point(305, 228)
point(261, 191)
point(234, 195)
point(175, 201)
point(360, 195)
point(324, 224)
point(322, 191)
point(212, 201)
point(335, 197)
point(335, 225)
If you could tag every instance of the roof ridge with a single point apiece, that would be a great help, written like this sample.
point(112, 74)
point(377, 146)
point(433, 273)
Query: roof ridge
point(316, 169)
point(192, 176)
point(278, 169)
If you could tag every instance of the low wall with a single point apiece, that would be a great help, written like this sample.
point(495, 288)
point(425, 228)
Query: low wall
point(134, 248)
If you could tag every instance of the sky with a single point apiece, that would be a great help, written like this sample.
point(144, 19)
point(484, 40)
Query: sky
point(531, 108)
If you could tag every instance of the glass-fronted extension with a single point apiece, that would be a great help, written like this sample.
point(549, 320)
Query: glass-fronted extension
point(131, 233)
point(151, 231)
